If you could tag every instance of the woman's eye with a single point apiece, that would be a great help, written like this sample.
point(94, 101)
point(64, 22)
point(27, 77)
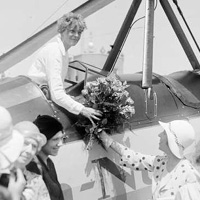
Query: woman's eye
point(26, 143)
point(72, 32)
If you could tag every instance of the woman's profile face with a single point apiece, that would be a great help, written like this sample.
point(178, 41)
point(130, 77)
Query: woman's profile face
point(28, 152)
point(163, 144)
point(53, 145)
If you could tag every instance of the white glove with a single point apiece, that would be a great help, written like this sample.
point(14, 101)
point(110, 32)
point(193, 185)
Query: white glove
point(107, 140)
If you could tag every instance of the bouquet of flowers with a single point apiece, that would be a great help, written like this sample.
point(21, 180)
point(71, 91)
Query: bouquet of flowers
point(109, 95)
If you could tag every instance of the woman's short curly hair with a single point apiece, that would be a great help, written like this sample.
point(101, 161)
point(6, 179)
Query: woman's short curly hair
point(70, 21)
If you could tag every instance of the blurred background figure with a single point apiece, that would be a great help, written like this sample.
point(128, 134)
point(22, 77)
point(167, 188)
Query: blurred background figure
point(11, 141)
point(33, 142)
point(12, 181)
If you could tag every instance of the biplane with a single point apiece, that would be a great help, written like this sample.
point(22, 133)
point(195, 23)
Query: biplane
point(95, 174)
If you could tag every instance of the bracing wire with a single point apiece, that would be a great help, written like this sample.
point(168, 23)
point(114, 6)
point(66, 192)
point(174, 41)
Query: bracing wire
point(181, 13)
point(49, 17)
point(156, 3)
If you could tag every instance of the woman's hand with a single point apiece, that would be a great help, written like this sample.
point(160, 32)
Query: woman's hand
point(4, 193)
point(91, 113)
point(17, 184)
point(107, 140)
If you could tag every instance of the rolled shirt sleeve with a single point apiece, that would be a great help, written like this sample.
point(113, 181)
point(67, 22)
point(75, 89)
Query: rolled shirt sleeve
point(55, 82)
point(50, 67)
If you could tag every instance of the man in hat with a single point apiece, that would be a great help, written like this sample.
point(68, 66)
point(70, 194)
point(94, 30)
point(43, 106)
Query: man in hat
point(174, 177)
point(53, 130)
point(11, 144)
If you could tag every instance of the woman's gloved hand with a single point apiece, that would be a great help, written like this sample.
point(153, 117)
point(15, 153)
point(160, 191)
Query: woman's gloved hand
point(107, 140)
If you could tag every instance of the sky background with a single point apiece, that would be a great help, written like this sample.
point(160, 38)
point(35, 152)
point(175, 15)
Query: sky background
point(22, 18)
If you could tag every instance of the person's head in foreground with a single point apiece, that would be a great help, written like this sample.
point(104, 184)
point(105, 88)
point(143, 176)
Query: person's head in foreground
point(70, 26)
point(177, 136)
point(33, 141)
point(11, 141)
point(53, 130)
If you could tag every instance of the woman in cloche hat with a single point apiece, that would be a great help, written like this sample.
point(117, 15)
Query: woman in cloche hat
point(174, 177)
point(33, 142)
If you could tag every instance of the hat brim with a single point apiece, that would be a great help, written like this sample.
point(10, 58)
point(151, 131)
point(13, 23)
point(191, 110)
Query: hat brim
point(39, 138)
point(175, 149)
point(12, 149)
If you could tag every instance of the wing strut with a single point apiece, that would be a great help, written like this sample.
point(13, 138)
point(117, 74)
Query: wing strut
point(180, 34)
point(124, 30)
point(33, 43)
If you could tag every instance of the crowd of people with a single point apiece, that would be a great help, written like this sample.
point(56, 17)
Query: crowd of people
point(27, 172)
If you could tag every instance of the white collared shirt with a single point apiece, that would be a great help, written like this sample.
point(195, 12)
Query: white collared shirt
point(50, 68)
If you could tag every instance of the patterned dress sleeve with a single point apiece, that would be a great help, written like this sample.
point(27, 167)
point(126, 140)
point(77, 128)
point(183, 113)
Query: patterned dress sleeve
point(136, 160)
point(35, 188)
